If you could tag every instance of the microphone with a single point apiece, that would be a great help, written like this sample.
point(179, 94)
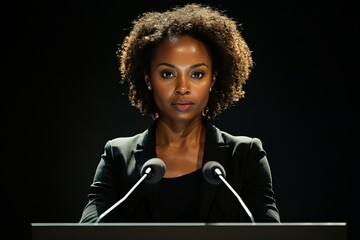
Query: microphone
point(214, 173)
point(152, 172)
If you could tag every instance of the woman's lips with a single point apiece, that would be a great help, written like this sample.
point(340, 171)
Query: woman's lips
point(182, 105)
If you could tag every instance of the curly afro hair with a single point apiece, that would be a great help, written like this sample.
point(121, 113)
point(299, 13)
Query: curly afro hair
point(231, 54)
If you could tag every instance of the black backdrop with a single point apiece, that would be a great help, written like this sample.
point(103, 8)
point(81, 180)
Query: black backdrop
point(61, 102)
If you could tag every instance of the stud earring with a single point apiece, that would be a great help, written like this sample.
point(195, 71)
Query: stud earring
point(210, 89)
point(149, 87)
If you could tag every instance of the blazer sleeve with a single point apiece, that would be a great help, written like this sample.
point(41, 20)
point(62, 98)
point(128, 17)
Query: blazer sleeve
point(257, 187)
point(103, 190)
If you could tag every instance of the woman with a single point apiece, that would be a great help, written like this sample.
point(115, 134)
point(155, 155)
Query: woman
point(184, 67)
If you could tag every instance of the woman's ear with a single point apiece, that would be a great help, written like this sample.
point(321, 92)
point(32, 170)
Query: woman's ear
point(147, 81)
point(213, 79)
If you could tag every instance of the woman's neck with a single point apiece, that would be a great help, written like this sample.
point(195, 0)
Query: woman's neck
point(179, 134)
point(181, 148)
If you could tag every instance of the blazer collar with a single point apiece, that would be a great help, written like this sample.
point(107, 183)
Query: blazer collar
point(145, 148)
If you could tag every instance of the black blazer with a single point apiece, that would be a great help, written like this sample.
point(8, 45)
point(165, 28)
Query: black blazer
point(243, 158)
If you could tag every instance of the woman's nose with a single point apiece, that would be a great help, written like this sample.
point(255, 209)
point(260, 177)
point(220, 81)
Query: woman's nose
point(182, 91)
point(182, 87)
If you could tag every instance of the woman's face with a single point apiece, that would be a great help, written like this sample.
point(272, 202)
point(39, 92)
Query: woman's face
point(180, 77)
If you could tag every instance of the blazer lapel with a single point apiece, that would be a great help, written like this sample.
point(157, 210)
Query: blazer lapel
point(146, 150)
point(215, 150)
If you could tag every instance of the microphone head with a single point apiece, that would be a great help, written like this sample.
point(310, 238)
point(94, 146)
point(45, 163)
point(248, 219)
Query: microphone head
point(210, 174)
point(157, 171)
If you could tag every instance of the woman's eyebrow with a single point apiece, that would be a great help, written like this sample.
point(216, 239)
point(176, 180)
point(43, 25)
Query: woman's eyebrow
point(173, 66)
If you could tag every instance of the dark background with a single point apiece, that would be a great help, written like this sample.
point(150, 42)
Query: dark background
point(61, 101)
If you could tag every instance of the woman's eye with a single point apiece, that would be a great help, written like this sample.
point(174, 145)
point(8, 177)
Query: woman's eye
point(197, 75)
point(166, 74)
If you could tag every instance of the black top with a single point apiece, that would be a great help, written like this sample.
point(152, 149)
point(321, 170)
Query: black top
point(179, 198)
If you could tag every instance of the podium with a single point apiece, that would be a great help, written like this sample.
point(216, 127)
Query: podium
point(188, 231)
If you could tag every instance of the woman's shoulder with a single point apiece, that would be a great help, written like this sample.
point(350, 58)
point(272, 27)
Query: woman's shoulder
point(228, 137)
point(251, 146)
point(234, 140)
point(131, 140)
